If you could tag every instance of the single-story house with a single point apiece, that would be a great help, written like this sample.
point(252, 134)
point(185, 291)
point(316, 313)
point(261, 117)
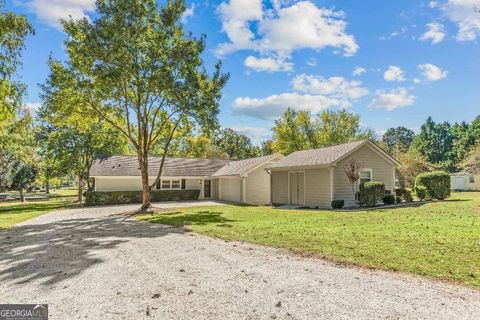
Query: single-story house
point(242, 181)
point(464, 182)
point(314, 178)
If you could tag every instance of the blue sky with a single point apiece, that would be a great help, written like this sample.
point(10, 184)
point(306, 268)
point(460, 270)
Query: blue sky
point(393, 62)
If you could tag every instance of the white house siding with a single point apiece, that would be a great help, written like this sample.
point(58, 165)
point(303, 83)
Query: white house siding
point(280, 187)
point(382, 170)
point(317, 188)
point(230, 189)
point(468, 186)
point(215, 194)
point(258, 186)
point(119, 183)
point(193, 184)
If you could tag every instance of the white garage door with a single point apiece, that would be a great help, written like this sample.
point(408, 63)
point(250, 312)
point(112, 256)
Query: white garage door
point(231, 189)
point(460, 183)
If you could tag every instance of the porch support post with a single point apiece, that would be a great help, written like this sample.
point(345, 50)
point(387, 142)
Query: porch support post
point(332, 190)
point(244, 190)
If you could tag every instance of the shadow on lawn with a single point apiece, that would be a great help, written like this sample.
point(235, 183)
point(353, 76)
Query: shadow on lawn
point(196, 218)
point(56, 251)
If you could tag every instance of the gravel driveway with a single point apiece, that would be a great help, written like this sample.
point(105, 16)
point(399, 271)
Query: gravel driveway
point(88, 264)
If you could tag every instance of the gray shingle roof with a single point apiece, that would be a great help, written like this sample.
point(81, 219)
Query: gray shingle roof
point(239, 167)
point(173, 167)
point(317, 157)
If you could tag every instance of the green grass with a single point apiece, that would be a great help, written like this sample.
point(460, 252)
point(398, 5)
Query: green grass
point(15, 212)
point(439, 240)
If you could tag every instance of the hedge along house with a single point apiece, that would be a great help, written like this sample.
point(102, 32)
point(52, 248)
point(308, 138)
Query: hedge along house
point(314, 178)
point(242, 181)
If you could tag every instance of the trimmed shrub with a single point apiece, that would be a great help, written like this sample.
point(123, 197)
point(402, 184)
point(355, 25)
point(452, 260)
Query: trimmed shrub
point(399, 191)
point(408, 195)
point(389, 199)
point(338, 204)
point(437, 184)
point(421, 192)
point(398, 199)
point(371, 192)
point(95, 198)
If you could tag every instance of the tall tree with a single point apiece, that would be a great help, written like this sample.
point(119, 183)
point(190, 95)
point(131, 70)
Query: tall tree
point(134, 61)
point(413, 162)
point(435, 143)
point(302, 130)
point(235, 145)
point(399, 138)
point(13, 30)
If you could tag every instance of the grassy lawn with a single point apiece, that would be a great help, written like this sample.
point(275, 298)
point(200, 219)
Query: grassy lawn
point(15, 212)
point(439, 240)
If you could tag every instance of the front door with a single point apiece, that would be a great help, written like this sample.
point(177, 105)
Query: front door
point(207, 188)
point(297, 188)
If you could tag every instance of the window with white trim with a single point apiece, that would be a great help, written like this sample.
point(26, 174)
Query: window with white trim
point(365, 176)
point(171, 184)
point(472, 179)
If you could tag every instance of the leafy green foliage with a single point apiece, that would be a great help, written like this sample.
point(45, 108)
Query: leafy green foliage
point(398, 199)
point(421, 192)
point(398, 139)
point(301, 130)
point(412, 163)
point(371, 192)
point(13, 30)
point(95, 198)
point(389, 199)
point(235, 145)
point(437, 184)
point(338, 204)
point(408, 195)
point(23, 177)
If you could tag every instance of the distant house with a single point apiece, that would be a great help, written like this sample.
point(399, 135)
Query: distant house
point(242, 181)
point(314, 178)
point(465, 182)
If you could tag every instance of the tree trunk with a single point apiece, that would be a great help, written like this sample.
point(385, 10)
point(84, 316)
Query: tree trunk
point(22, 195)
point(146, 200)
point(80, 190)
point(47, 186)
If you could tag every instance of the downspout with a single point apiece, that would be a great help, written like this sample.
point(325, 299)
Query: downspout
point(244, 188)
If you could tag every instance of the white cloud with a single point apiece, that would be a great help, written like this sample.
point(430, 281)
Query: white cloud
point(393, 99)
point(282, 29)
point(257, 134)
point(358, 71)
point(50, 11)
point(275, 105)
point(431, 72)
point(268, 64)
point(334, 87)
point(312, 62)
point(435, 33)
point(188, 13)
point(433, 4)
point(394, 74)
point(465, 14)
point(32, 107)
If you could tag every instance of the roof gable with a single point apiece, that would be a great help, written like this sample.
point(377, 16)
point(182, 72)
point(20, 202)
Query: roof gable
point(327, 156)
point(240, 167)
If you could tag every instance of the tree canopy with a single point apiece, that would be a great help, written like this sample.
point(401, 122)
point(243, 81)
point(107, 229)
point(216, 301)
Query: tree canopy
point(137, 69)
point(302, 130)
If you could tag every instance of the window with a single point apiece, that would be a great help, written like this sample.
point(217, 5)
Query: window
point(171, 184)
point(365, 176)
point(165, 184)
point(175, 184)
point(472, 179)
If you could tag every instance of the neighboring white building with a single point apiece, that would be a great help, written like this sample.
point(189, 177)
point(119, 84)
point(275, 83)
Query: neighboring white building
point(242, 181)
point(465, 182)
